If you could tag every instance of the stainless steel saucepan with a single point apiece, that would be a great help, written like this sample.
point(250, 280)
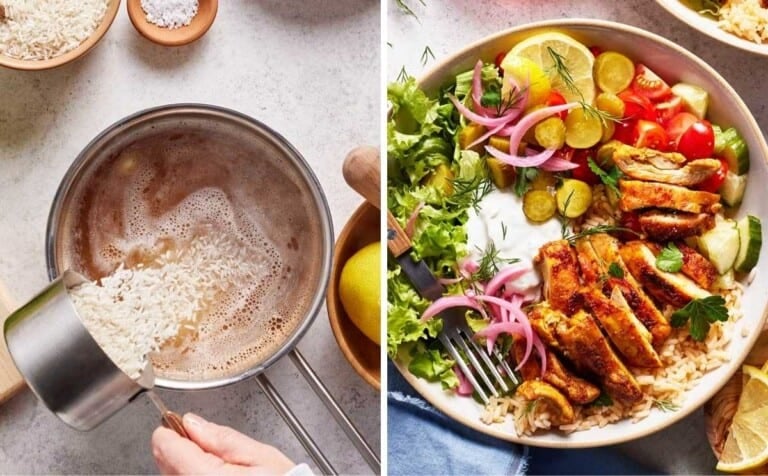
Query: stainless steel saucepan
point(310, 223)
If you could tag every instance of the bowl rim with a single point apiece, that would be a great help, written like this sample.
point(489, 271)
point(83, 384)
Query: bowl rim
point(334, 311)
point(429, 79)
point(709, 27)
point(324, 215)
point(81, 50)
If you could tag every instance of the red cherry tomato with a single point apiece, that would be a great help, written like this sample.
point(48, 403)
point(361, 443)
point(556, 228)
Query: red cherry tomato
point(557, 99)
point(715, 181)
point(648, 84)
point(636, 106)
point(625, 131)
point(668, 109)
point(583, 172)
point(698, 141)
point(650, 134)
point(678, 124)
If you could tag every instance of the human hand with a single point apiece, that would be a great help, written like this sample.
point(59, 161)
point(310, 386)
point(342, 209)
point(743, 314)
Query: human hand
point(214, 449)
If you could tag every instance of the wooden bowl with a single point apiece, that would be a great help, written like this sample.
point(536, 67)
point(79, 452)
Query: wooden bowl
point(85, 46)
point(362, 353)
point(206, 13)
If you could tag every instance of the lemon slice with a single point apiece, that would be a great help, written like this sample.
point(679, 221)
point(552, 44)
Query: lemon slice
point(747, 444)
point(525, 71)
point(577, 59)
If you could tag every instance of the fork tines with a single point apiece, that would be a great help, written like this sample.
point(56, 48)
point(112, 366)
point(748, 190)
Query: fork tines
point(458, 341)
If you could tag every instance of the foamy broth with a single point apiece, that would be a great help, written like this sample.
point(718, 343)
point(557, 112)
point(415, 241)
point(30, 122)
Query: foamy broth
point(156, 193)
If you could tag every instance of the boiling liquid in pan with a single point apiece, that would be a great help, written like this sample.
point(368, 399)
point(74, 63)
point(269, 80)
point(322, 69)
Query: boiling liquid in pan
point(155, 197)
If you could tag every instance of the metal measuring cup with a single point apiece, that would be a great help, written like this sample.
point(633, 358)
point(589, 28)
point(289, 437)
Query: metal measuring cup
point(65, 367)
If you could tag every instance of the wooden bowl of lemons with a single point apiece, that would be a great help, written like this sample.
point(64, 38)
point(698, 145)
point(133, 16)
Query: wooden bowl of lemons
point(354, 293)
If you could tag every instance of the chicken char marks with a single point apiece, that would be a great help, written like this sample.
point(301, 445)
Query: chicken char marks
point(675, 289)
point(596, 253)
point(637, 195)
point(557, 261)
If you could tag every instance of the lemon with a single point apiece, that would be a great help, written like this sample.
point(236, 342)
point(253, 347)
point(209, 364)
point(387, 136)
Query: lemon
point(525, 71)
point(360, 290)
point(747, 444)
point(577, 60)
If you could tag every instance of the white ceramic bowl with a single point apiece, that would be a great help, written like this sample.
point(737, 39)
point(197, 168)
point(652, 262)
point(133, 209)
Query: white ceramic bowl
point(727, 109)
point(708, 26)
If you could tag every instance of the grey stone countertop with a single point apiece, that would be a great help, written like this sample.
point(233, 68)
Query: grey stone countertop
point(311, 71)
point(450, 25)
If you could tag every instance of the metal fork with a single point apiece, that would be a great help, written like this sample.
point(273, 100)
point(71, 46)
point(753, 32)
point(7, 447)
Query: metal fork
point(456, 335)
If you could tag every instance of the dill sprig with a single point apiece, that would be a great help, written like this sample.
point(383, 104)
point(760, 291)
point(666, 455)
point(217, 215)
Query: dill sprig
point(403, 75)
point(559, 66)
point(504, 230)
point(565, 222)
point(597, 229)
point(592, 111)
point(405, 8)
point(426, 55)
point(489, 263)
point(666, 405)
point(469, 192)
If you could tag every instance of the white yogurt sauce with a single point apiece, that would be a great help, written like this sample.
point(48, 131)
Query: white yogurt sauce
point(522, 239)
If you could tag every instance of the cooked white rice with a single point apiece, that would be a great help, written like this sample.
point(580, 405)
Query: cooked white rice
point(684, 360)
point(44, 29)
point(133, 312)
point(745, 18)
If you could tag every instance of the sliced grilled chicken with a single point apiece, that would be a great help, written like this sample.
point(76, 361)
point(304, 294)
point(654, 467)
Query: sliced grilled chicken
point(586, 346)
point(695, 265)
point(667, 167)
point(557, 261)
point(544, 321)
point(575, 388)
point(636, 195)
point(628, 335)
point(667, 226)
point(643, 307)
point(603, 249)
point(670, 288)
point(592, 266)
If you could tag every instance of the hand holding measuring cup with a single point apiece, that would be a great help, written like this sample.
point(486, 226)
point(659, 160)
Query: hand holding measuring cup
point(216, 449)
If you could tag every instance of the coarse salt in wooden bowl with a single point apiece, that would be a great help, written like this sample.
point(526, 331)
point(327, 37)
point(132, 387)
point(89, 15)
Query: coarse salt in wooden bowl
point(201, 22)
point(362, 228)
point(81, 50)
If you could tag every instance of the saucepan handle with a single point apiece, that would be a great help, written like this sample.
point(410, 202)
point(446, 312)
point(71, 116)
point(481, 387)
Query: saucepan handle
point(293, 423)
point(341, 418)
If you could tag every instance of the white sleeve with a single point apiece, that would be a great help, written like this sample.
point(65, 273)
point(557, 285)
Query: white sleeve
point(300, 470)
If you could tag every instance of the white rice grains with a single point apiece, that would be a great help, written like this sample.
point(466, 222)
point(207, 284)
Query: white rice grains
point(131, 313)
point(40, 29)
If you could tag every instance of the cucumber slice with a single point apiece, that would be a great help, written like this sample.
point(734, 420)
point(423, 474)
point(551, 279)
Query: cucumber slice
point(721, 245)
point(724, 281)
point(695, 99)
point(733, 188)
point(734, 149)
point(751, 238)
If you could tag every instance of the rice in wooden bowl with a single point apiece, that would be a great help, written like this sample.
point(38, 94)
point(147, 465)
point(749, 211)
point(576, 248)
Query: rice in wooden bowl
point(44, 34)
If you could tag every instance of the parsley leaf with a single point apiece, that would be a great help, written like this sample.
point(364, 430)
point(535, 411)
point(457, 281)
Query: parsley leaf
point(609, 178)
point(523, 179)
point(615, 270)
point(491, 97)
point(604, 400)
point(670, 259)
point(701, 313)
